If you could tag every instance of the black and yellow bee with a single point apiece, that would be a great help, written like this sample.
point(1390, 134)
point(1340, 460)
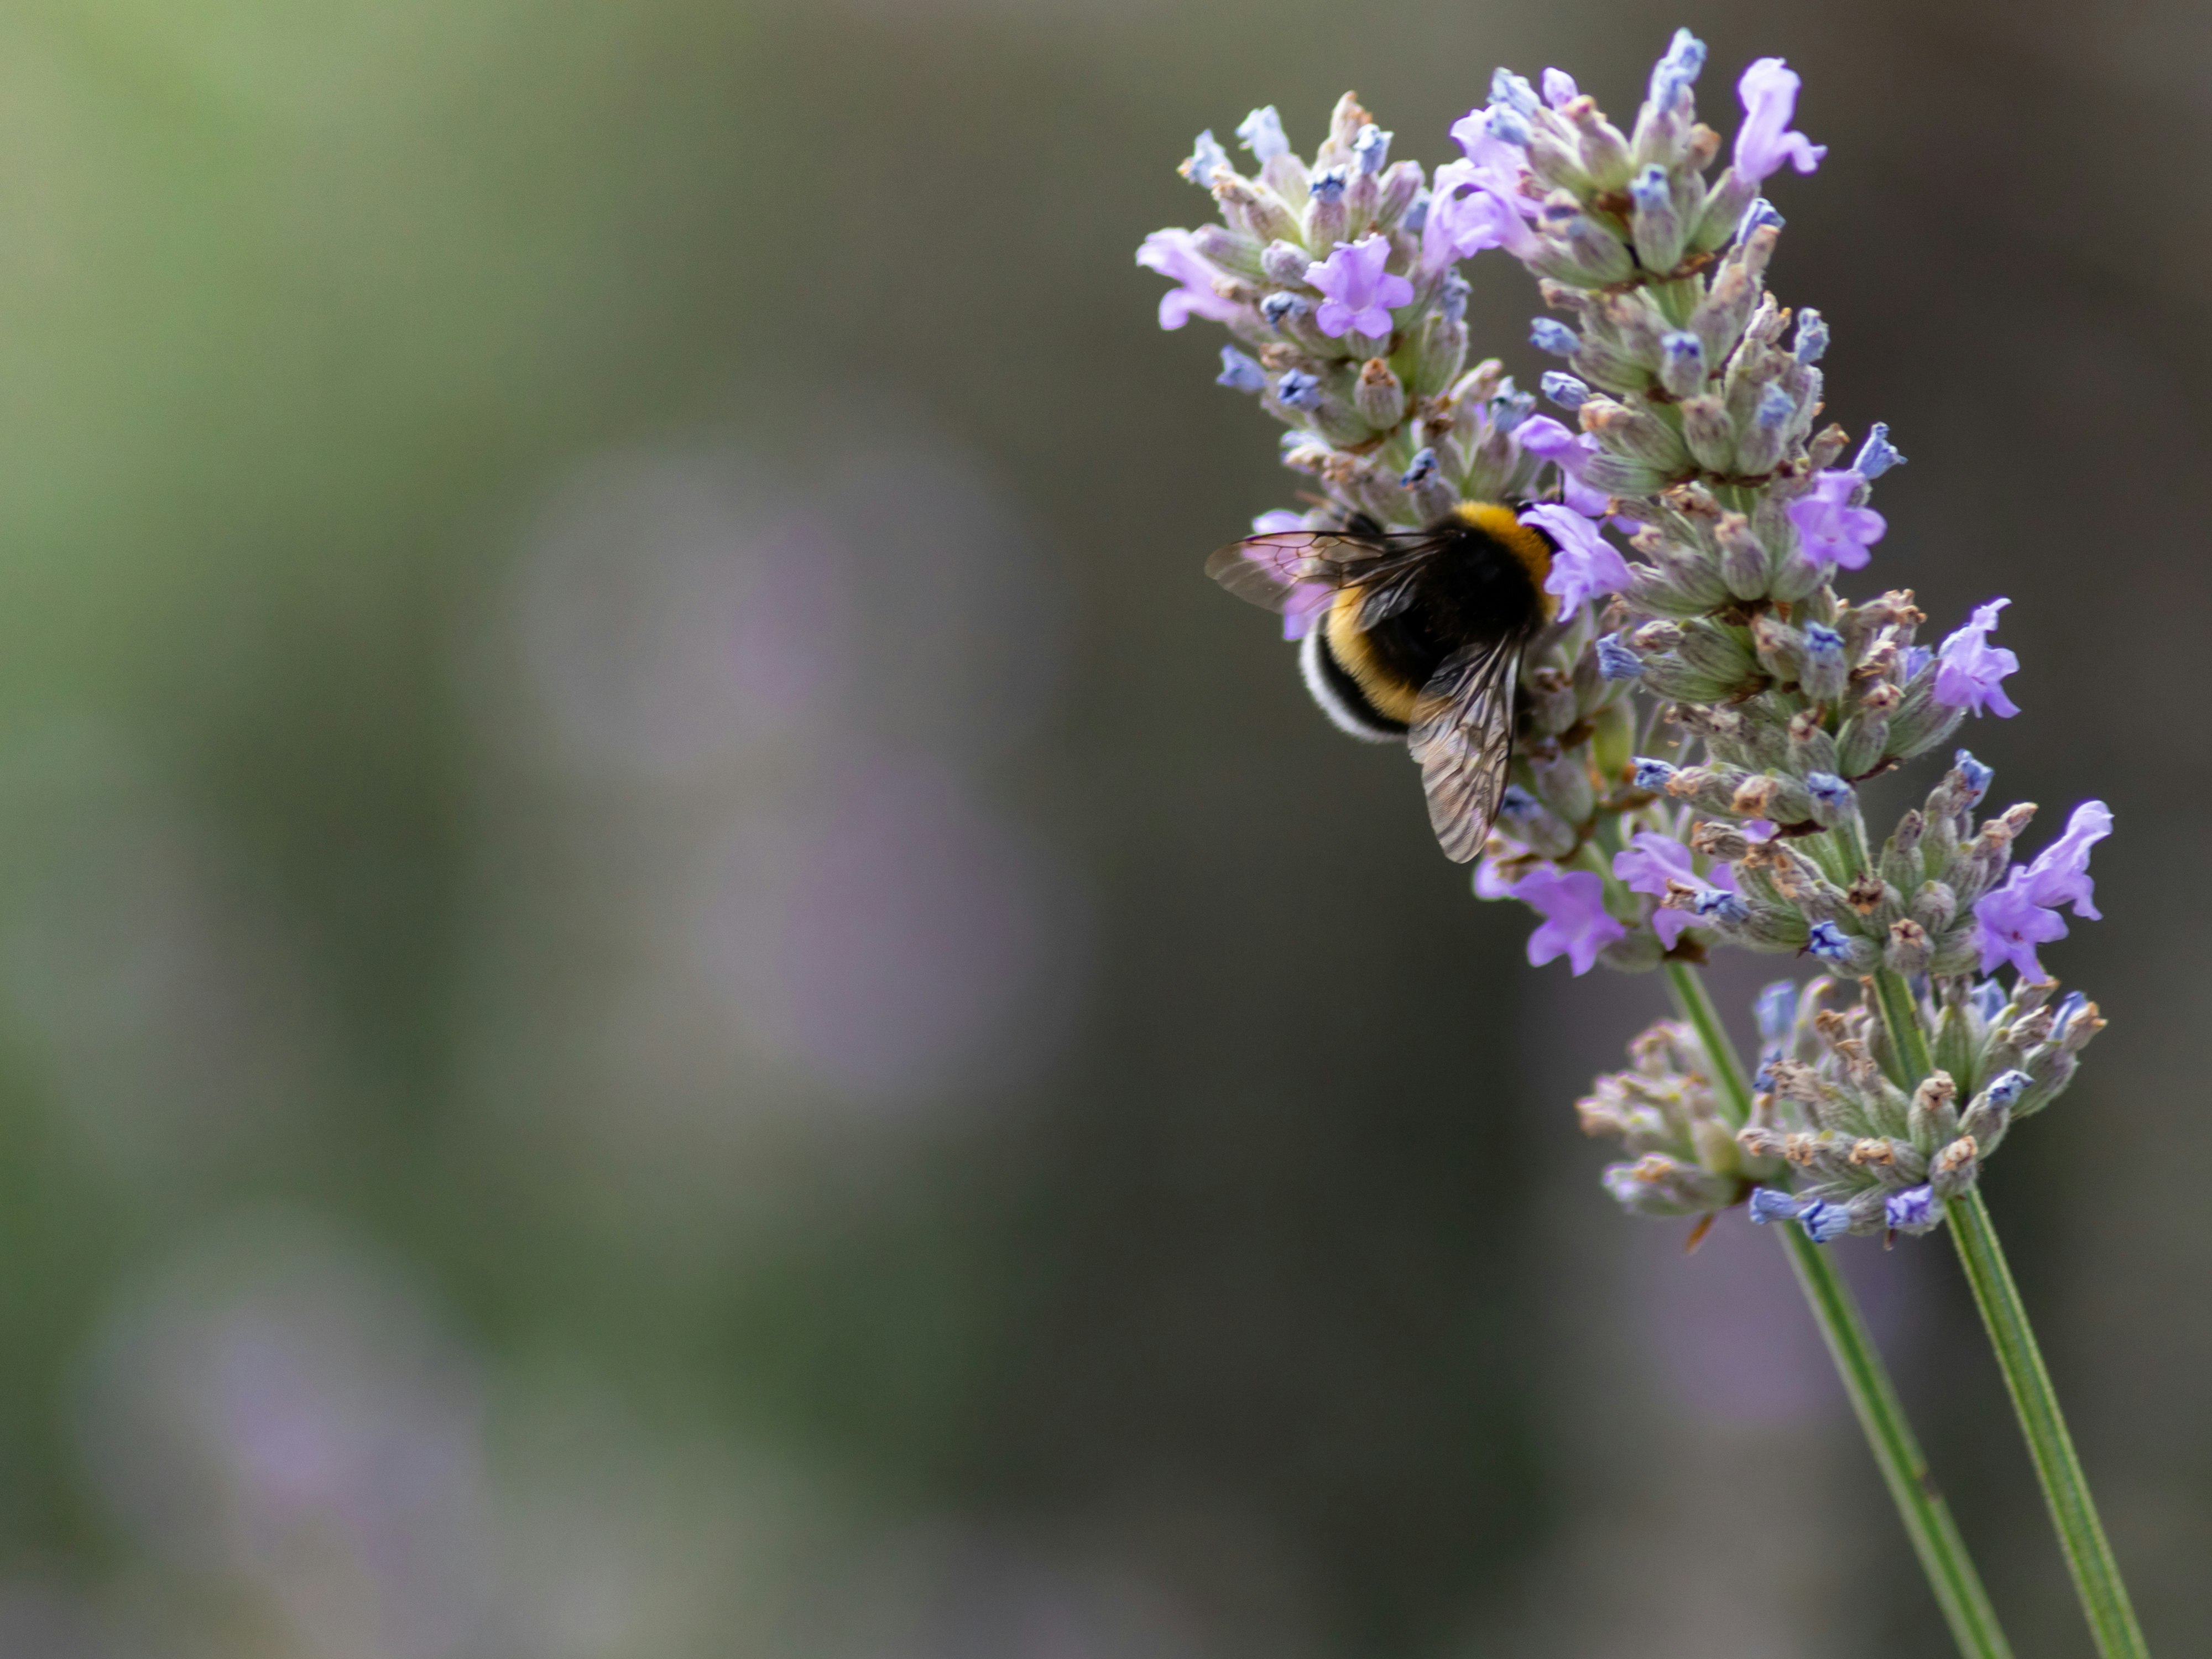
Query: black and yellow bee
point(1421, 641)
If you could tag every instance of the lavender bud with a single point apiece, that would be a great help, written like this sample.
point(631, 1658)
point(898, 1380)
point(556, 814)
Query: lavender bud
point(1743, 561)
point(1563, 388)
point(1668, 675)
point(1284, 264)
point(1379, 396)
point(1812, 337)
point(1240, 373)
point(1681, 363)
point(1952, 1170)
point(1780, 648)
point(1371, 149)
point(1830, 944)
point(1716, 649)
point(1328, 216)
point(1777, 799)
point(1832, 798)
point(1657, 226)
point(1433, 494)
point(1877, 455)
point(1514, 92)
point(1933, 1117)
point(1934, 906)
point(1708, 432)
point(1860, 745)
point(1233, 250)
point(1563, 784)
point(1768, 1205)
point(1654, 776)
point(1549, 334)
point(1915, 1209)
point(1451, 298)
point(1711, 787)
point(1991, 1114)
point(1827, 670)
point(1823, 1221)
point(1908, 952)
point(1615, 662)
point(1973, 776)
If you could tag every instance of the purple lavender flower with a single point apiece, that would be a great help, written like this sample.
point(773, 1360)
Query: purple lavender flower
point(1576, 925)
point(1360, 292)
point(1175, 255)
point(1650, 862)
point(1764, 142)
point(1571, 452)
point(1560, 88)
point(2023, 914)
point(1586, 565)
point(1832, 529)
point(1914, 1208)
point(1969, 668)
point(1307, 600)
point(1493, 162)
point(2060, 874)
point(1826, 941)
point(1465, 217)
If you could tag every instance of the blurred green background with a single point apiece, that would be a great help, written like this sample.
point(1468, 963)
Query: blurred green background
point(669, 986)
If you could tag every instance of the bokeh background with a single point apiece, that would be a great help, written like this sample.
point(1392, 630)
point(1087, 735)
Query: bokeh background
point(668, 985)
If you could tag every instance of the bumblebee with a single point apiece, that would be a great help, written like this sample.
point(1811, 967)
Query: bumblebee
point(1418, 641)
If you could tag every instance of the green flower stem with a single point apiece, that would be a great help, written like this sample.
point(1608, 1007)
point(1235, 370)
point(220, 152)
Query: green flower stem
point(2073, 1512)
point(1927, 1517)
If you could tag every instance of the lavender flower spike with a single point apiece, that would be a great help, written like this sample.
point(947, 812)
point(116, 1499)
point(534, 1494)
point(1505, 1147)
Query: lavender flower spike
point(1576, 925)
point(1764, 142)
point(1175, 255)
point(1360, 292)
point(1969, 669)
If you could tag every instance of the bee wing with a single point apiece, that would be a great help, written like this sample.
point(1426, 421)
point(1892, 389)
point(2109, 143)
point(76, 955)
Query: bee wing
point(1462, 735)
point(1267, 570)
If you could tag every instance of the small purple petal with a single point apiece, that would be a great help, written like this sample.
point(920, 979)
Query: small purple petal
point(1175, 255)
point(1834, 532)
point(1584, 565)
point(1969, 669)
point(1359, 292)
point(1764, 142)
point(1575, 924)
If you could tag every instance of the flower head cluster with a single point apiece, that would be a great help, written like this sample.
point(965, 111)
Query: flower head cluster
point(1694, 732)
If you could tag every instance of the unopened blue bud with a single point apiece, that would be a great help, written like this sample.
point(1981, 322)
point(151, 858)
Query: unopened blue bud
point(1509, 409)
point(1299, 390)
point(1550, 334)
point(1372, 148)
point(1329, 184)
point(1517, 804)
point(1261, 132)
point(1823, 1221)
point(1826, 941)
point(1239, 373)
point(1652, 774)
point(1768, 1205)
point(1416, 215)
point(1615, 662)
point(1718, 902)
point(1877, 454)
point(2072, 1004)
point(1683, 348)
point(1977, 776)
point(1776, 407)
point(1777, 1011)
point(1206, 156)
point(1829, 790)
point(1917, 657)
point(1678, 69)
point(1760, 212)
point(1913, 1208)
point(1988, 998)
point(1452, 301)
point(2005, 1089)
point(1812, 337)
point(1424, 464)
point(1650, 188)
point(1513, 91)
point(1507, 126)
point(1563, 389)
point(1276, 307)
point(1762, 1080)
